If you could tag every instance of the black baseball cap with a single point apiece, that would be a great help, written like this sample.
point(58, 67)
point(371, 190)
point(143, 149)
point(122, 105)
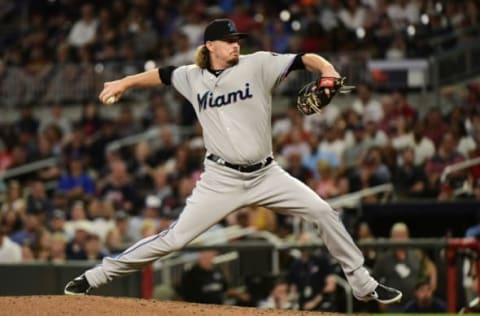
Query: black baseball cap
point(220, 29)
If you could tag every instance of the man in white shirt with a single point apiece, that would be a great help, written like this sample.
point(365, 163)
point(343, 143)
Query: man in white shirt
point(365, 105)
point(10, 252)
point(84, 30)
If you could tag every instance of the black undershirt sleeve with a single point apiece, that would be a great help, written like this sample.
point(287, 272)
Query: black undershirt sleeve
point(165, 74)
point(297, 63)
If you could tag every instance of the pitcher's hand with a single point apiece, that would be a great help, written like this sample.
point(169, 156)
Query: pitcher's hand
point(112, 91)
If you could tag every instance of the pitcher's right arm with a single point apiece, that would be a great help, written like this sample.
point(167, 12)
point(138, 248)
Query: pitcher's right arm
point(118, 87)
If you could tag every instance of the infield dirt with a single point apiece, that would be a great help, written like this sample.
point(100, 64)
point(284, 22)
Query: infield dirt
point(99, 305)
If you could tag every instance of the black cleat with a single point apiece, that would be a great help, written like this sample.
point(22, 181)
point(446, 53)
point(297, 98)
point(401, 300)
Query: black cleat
point(382, 294)
point(78, 286)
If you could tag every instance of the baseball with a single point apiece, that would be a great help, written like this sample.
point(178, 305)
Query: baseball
point(111, 100)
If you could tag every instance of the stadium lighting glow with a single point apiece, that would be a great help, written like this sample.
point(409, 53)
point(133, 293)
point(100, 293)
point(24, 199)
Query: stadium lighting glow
point(411, 30)
point(258, 18)
point(360, 32)
point(296, 26)
point(149, 65)
point(285, 15)
point(99, 68)
point(425, 19)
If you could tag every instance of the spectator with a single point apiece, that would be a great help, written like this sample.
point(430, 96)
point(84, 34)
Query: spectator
point(297, 142)
point(184, 190)
point(364, 233)
point(93, 248)
point(435, 127)
point(409, 180)
point(424, 301)
point(91, 120)
point(150, 213)
point(118, 187)
point(37, 201)
point(101, 214)
point(375, 134)
point(317, 154)
point(10, 252)
point(326, 187)
point(162, 188)
point(184, 52)
point(113, 242)
point(84, 30)
point(313, 279)
point(126, 123)
point(296, 168)
point(261, 218)
point(58, 249)
point(400, 134)
point(279, 297)
point(142, 165)
point(57, 118)
point(403, 13)
point(99, 143)
point(332, 142)
point(11, 221)
point(353, 16)
point(353, 152)
point(403, 268)
point(371, 171)
point(57, 224)
point(14, 199)
point(43, 245)
point(76, 183)
point(424, 148)
point(27, 121)
point(122, 224)
point(75, 249)
point(30, 232)
point(446, 155)
point(204, 282)
point(365, 105)
point(76, 145)
point(402, 108)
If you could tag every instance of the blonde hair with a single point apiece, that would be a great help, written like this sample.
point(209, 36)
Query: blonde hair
point(202, 57)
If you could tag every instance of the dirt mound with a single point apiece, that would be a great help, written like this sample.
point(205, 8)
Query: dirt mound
point(98, 305)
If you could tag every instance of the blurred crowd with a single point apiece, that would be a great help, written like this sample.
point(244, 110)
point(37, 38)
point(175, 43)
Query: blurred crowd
point(63, 50)
point(99, 198)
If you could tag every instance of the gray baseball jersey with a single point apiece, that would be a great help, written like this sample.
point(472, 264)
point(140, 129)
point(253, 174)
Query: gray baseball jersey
point(234, 110)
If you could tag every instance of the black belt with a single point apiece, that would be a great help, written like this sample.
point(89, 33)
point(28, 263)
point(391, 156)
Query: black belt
point(241, 168)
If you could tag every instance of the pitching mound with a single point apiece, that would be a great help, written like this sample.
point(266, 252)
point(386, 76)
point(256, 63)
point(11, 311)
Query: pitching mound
point(98, 305)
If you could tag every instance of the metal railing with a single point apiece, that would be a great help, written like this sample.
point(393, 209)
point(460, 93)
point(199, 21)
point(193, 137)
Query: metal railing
point(349, 200)
point(28, 168)
point(455, 65)
point(353, 199)
point(459, 166)
point(430, 243)
point(466, 188)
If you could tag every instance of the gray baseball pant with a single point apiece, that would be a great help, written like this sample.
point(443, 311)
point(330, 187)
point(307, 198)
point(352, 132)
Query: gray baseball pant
point(222, 190)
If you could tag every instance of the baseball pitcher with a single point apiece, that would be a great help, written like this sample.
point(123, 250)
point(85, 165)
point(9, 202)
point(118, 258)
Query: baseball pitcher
point(232, 97)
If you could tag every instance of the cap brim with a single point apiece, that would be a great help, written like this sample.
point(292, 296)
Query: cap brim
point(236, 35)
point(229, 36)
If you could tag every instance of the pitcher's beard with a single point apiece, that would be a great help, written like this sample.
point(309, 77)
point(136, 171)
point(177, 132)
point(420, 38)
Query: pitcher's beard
point(233, 61)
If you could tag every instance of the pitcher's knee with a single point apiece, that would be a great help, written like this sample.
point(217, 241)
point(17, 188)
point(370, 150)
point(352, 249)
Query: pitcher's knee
point(176, 242)
point(321, 210)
